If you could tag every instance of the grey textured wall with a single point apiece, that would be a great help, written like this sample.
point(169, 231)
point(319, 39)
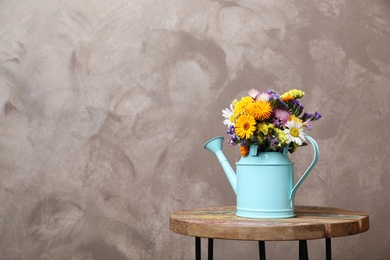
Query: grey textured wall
point(105, 106)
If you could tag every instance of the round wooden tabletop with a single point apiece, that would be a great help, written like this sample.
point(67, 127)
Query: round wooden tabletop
point(309, 223)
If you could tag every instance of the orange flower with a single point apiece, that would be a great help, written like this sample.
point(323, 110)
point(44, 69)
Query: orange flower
point(260, 110)
point(244, 150)
point(286, 98)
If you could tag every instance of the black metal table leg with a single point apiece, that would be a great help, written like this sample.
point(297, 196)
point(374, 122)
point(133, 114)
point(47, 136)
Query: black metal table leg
point(197, 248)
point(303, 254)
point(210, 249)
point(328, 246)
point(262, 250)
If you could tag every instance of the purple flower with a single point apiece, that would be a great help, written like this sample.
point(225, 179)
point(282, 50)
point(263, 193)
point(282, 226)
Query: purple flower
point(230, 130)
point(273, 143)
point(295, 107)
point(271, 92)
point(231, 142)
point(317, 115)
point(275, 101)
point(309, 124)
point(312, 117)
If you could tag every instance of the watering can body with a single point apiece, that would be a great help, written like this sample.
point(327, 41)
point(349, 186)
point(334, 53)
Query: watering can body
point(264, 185)
point(263, 182)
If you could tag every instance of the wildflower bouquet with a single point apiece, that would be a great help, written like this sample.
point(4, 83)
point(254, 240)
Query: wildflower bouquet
point(273, 122)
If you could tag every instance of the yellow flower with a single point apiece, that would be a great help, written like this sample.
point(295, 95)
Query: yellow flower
point(281, 136)
point(292, 94)
point(264, 128)
point(260, 110)
point(245, 125)
point(240, 107)
point(296, 119)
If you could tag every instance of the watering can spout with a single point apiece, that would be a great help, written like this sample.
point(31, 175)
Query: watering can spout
point(214, 145)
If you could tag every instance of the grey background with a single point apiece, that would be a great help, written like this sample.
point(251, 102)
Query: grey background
point(105, 106)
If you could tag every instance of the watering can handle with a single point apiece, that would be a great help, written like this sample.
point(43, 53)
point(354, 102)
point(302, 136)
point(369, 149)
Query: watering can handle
point(315, 159)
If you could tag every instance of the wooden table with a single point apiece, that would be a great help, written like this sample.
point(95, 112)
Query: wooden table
point(309, 223)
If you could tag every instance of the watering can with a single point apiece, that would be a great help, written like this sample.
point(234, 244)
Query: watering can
point(264, 181)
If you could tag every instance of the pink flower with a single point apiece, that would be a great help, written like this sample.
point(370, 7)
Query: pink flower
point(253, 93)
point(263, 96)
point(281, 115)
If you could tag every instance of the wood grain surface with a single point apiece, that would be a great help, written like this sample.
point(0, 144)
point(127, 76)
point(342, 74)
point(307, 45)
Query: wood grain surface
point(309, 223)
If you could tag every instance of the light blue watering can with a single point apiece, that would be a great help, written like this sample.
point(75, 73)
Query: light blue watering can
point(264, 182)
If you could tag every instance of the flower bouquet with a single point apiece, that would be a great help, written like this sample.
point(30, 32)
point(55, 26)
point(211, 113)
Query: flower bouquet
point(273, 122)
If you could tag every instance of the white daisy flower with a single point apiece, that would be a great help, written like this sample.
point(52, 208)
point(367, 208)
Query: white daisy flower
point(294, 132)
point(228, 114)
